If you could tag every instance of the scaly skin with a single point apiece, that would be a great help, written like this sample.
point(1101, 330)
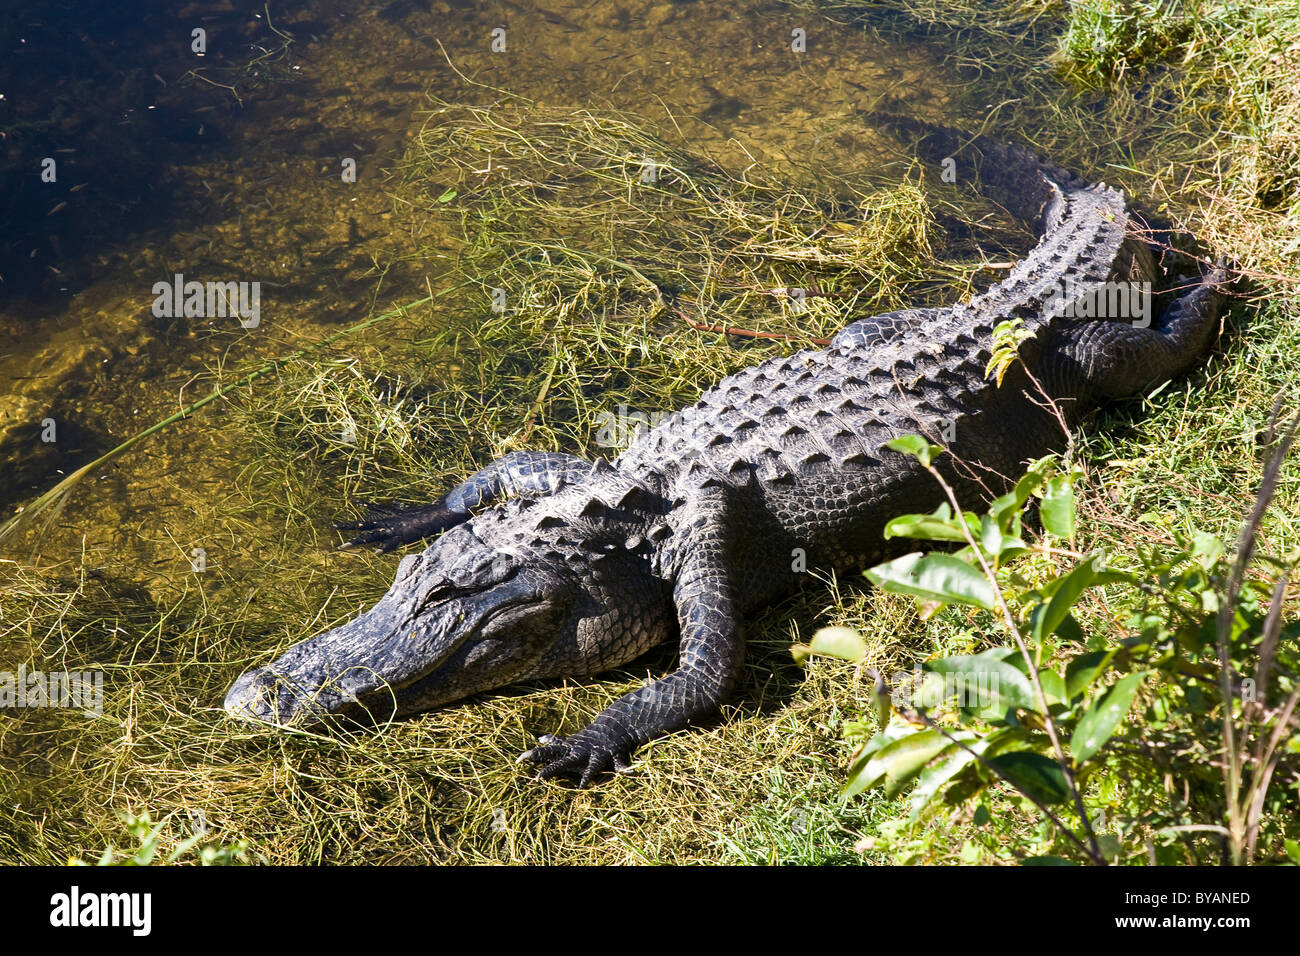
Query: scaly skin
point(552, 566)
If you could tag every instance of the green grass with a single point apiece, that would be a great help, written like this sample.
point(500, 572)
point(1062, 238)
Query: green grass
point(1197, 117)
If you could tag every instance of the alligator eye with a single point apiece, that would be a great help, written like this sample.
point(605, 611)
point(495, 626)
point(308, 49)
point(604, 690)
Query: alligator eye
point(439, 593)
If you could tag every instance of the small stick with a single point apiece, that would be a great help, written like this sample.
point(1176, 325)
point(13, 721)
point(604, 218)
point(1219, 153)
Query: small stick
point(746, 333)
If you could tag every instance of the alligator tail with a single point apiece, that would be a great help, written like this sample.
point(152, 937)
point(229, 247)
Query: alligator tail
point(1014, 177)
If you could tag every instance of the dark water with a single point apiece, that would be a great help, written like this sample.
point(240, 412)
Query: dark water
point(131, 158)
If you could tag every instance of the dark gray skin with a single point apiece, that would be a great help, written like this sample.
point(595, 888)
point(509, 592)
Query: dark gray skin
point(551, 566)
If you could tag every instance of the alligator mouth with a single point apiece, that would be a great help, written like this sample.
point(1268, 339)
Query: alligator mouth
point(309, 693)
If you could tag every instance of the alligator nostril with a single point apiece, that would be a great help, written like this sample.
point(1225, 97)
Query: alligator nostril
point(263, 696)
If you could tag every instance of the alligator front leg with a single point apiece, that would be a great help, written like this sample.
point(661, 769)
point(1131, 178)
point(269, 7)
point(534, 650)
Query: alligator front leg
point(518, 473)
point(711, 654)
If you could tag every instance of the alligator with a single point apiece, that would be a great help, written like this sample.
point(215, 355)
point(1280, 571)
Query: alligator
point(549, 566)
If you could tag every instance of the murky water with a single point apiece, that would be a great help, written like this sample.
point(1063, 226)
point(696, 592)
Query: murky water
point(271, 162)
point(232, 166)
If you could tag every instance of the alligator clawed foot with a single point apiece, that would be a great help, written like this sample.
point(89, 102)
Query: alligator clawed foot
point(390, 526)
point(583, 755)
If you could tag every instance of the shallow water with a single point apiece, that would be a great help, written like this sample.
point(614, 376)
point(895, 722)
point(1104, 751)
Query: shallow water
point(228, 167)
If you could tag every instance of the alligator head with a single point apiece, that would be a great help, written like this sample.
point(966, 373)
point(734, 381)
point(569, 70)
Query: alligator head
point(460, 618)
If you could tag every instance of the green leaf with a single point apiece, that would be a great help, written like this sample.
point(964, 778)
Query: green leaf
point(882, 707)
point(448, 196)
point(1084, 669)
point(1053, 686)
point(986, 682)
point(933, 778)
point(1007, 337)
point(1101, 720)
point(1066, 592)
point(1010, 738)
point(1033, 774)
point(1292, 851)
point(1006, 507)
point(184, 847)
point(1012, 548)
point(842, 642)
point(864, 753)
point(1110, 845)
point(990, 536)
point(1003, 506)
point(898, 762)
point(939, 526)
point(907, 758)
point(1206, 549)
point(917, 447)
point(1057, 508)
point(934, 577)
point(1069, 630)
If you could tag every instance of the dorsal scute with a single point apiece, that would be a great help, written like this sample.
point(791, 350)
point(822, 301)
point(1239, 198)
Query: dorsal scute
point(907, 371)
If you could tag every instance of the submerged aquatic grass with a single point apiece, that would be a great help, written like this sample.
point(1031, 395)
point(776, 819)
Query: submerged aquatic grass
point(598, 268)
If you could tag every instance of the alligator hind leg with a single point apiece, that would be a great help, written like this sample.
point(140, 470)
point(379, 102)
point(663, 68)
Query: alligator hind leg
point(1114, 359)
point(518, 473)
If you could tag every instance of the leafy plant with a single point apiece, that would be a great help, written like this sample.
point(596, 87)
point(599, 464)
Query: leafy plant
point(149, 836)
point(1191, 712)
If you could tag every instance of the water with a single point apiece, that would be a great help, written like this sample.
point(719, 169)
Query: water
point(228, 167)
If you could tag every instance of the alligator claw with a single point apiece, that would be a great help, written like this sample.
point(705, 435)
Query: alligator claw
point(391, 526)
point(622, 764)
point(583, 755)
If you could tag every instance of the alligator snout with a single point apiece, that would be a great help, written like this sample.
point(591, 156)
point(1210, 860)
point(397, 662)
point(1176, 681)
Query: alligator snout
point(253, 696)
point(263, 695)
point(440, 634)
